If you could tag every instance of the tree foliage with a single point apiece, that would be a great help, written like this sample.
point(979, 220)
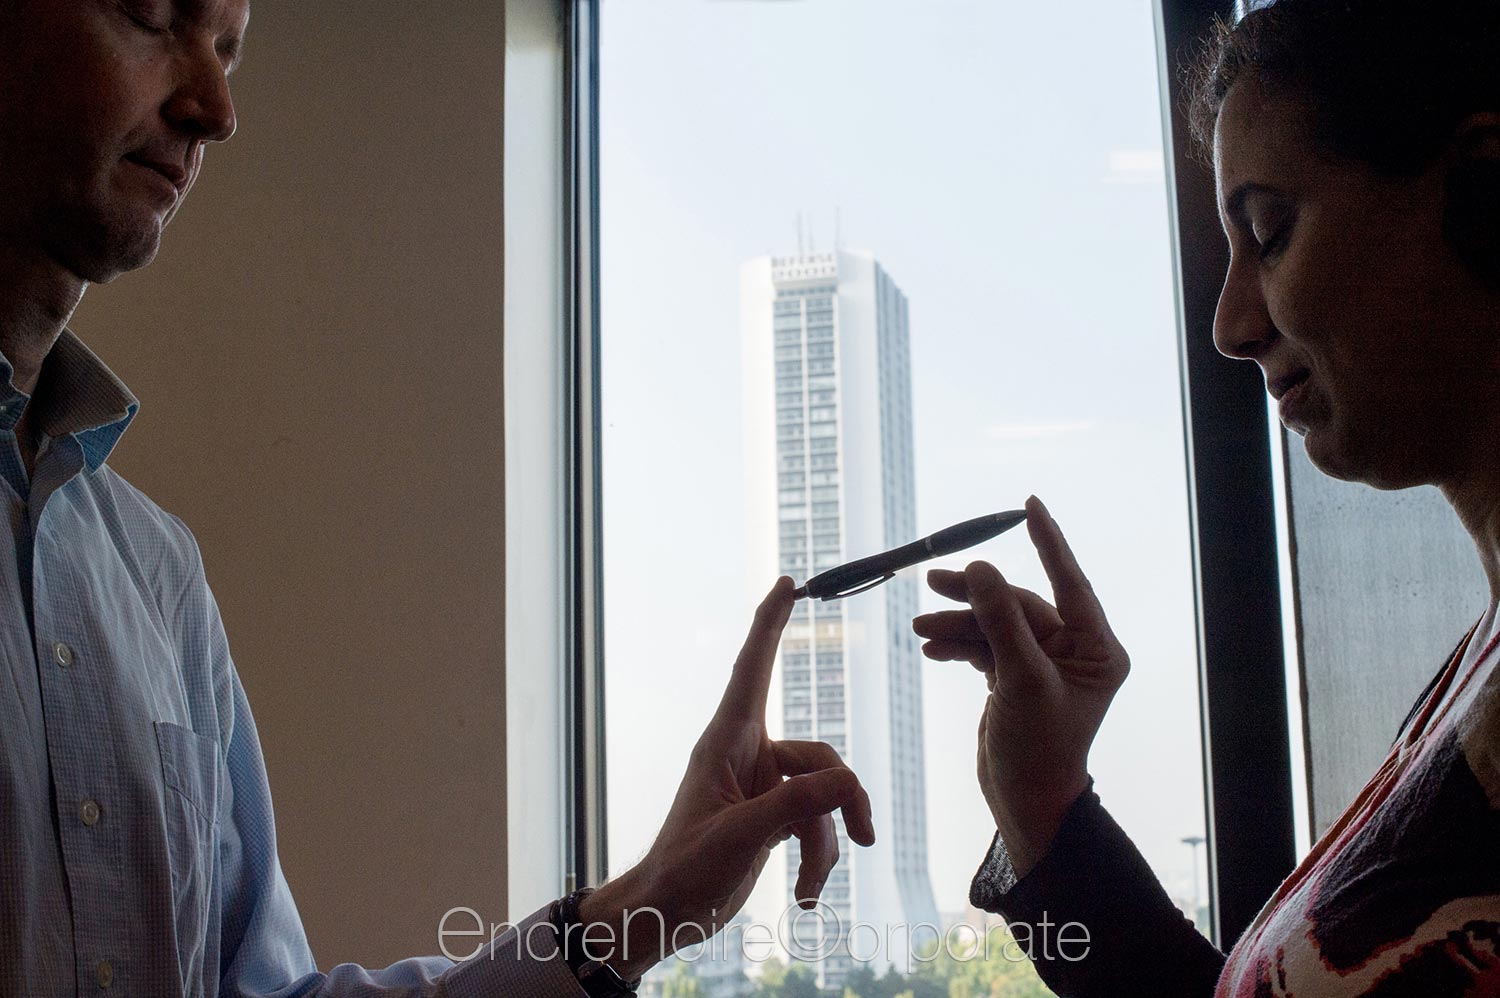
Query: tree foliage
point(682, 984)
point(990, 968)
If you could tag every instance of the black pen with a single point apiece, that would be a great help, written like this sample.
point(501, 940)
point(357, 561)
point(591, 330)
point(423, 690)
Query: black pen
point(867, 573)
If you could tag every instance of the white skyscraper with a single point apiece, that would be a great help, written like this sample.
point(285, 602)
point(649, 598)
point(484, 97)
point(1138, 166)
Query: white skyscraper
point(830, 478)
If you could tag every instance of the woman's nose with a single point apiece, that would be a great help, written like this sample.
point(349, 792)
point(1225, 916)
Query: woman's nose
point(1242, 323)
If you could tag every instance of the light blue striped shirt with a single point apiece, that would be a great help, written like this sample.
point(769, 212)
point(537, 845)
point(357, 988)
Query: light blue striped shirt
point(137, 845)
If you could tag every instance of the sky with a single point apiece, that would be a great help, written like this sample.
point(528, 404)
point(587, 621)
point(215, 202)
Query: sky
point(1003, 162)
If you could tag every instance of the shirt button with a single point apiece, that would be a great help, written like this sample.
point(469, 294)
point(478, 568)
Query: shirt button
point(104, 974)
point(88, 813)
point(63, 654)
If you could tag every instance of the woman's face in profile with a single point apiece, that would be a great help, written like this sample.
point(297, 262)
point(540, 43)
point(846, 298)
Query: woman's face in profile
point(1343, 289)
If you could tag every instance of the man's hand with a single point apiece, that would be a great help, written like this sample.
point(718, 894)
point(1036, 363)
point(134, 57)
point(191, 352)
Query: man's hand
point(1052, 672)
point(743, 794)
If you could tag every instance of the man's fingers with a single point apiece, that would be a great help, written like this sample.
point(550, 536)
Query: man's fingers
point(798, 758)
point(782, 834)
point(818, 839)
point(819, 845)
point(802, 798)
point(1076, 602)
point(795, 757)
point(745, 697)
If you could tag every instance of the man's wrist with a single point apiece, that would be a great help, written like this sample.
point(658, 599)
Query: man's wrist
point(608, 912)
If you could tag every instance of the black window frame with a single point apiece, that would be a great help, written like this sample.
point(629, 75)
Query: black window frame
point(1247, 753)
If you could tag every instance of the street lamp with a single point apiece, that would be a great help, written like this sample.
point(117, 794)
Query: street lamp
point(1193, 842)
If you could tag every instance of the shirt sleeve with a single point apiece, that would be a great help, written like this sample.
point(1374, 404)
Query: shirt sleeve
point(1093, 918)
point(263, 948)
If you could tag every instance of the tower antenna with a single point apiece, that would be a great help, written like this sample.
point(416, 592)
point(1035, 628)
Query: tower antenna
point(799, 235)
point(838, 233)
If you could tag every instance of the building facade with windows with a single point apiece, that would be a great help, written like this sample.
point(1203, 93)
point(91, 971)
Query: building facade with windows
point(830, 478)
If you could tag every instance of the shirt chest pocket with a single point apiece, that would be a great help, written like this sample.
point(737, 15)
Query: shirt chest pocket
point(190, 804)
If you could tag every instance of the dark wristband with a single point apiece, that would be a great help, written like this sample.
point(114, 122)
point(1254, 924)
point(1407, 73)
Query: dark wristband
point(597, 979)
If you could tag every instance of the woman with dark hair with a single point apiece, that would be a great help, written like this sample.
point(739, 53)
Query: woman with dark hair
point(1356, 147)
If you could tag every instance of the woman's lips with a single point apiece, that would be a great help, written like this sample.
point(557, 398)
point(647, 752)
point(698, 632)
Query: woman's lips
point(1278, 386)
point(1293, 394)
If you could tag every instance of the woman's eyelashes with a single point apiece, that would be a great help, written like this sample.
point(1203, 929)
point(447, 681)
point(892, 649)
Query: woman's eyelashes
point(1270, 236)
point(1271, 245)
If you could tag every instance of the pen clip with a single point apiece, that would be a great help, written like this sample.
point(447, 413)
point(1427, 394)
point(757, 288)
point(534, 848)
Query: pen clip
point(868, 585)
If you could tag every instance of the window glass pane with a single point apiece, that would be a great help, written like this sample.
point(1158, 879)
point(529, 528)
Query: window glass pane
point(843, 306)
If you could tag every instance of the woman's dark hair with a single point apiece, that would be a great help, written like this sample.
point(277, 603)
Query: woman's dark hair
point(1387, 80)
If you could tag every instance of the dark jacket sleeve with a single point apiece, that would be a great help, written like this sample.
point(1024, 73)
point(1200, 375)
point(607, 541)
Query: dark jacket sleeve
point(1093, 918)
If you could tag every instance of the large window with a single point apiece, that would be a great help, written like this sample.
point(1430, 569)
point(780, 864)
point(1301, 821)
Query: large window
point(867, 269)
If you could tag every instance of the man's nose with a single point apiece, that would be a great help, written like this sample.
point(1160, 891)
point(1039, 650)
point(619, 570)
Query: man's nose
point(1242, 322)
point(201, 104)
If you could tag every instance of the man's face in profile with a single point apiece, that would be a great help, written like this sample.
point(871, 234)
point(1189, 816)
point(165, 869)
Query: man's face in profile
point(107, 107)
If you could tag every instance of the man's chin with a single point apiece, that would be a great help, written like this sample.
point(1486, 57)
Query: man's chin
point(124, 252)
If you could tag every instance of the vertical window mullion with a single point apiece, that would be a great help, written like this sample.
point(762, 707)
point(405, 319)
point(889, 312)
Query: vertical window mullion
point(1248, 789)
point(585, 640)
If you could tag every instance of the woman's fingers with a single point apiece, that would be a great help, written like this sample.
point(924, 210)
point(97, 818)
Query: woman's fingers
point(1019, 663)
point(1076, 602)
point(1041, 617)
point(976, 653)
point(948, 624)
point(948, 584)
point(958, 636)
point(954, 636)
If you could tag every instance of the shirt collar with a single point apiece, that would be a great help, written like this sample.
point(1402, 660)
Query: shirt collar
point(80, 396)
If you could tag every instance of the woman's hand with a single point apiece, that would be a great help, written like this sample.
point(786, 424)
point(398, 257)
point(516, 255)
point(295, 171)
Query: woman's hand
point(1052, 672)
point(743, 794)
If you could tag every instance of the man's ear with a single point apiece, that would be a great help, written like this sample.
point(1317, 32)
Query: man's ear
point(1471, 211)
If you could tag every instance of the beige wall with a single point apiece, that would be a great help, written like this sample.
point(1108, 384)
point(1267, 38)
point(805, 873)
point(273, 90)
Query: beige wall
point(318, 355)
